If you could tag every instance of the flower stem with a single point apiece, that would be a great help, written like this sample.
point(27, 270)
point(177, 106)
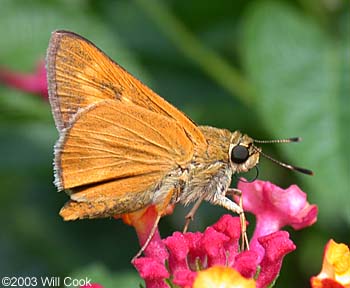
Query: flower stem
point(208, 60)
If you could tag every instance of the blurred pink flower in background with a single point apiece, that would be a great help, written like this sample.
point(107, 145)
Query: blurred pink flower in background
point(32, 83)
point(92, 285)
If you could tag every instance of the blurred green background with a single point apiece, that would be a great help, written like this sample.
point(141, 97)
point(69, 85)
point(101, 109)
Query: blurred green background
point(272, 69)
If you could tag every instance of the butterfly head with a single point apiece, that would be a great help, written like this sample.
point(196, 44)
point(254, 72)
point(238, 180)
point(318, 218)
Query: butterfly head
point(243, 154)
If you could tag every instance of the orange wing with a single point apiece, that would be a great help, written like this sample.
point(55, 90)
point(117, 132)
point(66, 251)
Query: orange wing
point(79, 74)
point(113, 154)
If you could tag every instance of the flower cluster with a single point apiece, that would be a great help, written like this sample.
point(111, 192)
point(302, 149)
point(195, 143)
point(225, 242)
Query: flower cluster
point(191, 259)
point(217, 246)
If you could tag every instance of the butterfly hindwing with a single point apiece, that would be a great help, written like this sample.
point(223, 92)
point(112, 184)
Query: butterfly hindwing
point(114, 152)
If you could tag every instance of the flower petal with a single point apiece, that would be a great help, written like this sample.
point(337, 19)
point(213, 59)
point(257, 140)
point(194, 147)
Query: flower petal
point(223, 277)
point(281, 206)
point(213, 245)
point(152, 271)
point(325, 283)
point(184, 278)
point(231, 227)
point(195, 256)
point(246, 263)
point(276, 246)
point(178, 251)
point(275, 208)
point(143, 221)
point(335, 266)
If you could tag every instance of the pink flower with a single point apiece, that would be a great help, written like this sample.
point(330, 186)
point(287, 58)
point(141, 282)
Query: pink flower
point(151, 267)
point(152, 271)
point(276, 246)
point(92, 285)
point(143, 221)
point(32, 83)
point(275, 208)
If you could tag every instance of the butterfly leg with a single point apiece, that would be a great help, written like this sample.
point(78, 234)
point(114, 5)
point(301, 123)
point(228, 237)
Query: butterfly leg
point(245, 242)
point(223, 201)
point(149, 238)
point(190, 215)
point(161, 211)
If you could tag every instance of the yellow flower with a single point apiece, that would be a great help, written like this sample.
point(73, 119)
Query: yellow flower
point(222, 277)
point(335, 268)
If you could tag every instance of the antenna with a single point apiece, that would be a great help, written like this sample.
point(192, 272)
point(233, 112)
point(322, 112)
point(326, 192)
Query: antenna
point(288, 166)
point(288, 140)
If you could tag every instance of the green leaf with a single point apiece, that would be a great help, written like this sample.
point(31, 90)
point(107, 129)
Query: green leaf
point(295, 69)
point(100, 274)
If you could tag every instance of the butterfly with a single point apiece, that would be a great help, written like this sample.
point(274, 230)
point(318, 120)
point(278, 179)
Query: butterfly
point(122, 147)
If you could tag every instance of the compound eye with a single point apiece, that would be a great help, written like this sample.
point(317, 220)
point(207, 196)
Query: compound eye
point(239, 154)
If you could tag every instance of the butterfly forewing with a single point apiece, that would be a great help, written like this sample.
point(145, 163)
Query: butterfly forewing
point(79, 74)
point(118, 139)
